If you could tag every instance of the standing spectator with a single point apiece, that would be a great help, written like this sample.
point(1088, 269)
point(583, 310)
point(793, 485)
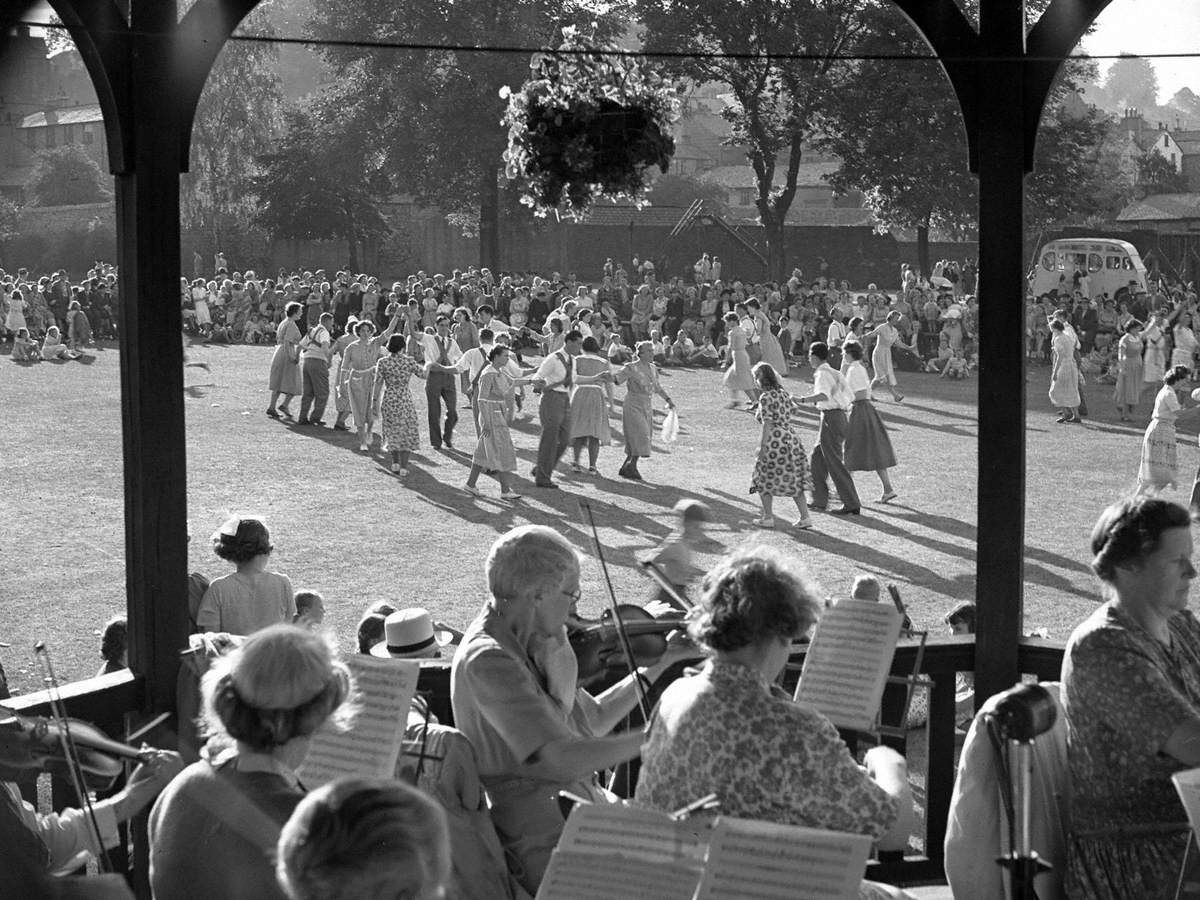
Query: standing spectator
point(1129, 370)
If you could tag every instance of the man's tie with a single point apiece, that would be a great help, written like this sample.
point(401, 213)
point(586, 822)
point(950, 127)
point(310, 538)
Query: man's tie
point(567, 361)
point(444, 359)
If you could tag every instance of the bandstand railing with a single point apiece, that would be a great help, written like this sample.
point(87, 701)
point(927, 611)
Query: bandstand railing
point(106, 700)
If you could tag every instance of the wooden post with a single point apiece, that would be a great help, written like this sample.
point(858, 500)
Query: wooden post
point(1000, 513)
point(155, 453)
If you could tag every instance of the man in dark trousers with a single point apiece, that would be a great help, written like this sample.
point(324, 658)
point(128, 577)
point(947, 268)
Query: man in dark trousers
point(832, 396)
point(555, 376)
point(441, 378)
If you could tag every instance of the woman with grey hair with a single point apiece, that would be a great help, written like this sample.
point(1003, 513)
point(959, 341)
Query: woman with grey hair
point(213, 828)
point(637, 412)
point(514, 688)
point(731, 731)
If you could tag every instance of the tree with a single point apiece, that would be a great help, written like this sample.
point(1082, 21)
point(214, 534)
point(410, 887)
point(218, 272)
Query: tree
point(66, 175)
point(10, 216)
point(435, 114)
point(899, 133)
point(239, 117)
point(752, 46)
point(323, 179)
point(682, 190)
point(1158, 175)
point(1132, 81)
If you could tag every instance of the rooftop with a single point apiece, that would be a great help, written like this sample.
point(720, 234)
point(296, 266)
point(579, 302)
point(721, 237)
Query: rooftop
point(76, 115)
point(1162, 208)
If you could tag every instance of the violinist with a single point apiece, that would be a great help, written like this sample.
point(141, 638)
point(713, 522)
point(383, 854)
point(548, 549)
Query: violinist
point(730, 730)
point(65, 839)
point(515, 695)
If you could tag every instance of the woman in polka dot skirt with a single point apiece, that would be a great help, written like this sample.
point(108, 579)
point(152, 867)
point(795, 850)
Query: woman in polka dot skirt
point(782, 466)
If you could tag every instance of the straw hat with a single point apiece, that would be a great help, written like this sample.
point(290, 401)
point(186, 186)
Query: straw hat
point(409, 634)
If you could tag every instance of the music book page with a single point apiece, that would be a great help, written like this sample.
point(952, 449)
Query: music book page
point(1187, 784)
point(372, 745)
point(848, 662)
point(614, 852)
point(749, 860)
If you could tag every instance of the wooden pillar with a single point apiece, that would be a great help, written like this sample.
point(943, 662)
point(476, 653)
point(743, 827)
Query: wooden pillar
point(1000, 545)
point(152, 411)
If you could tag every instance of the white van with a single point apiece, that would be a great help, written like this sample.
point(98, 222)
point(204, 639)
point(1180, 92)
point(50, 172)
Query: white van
point(1109, 265)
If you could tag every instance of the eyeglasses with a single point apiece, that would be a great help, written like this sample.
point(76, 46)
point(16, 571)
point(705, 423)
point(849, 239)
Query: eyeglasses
point(574, 595)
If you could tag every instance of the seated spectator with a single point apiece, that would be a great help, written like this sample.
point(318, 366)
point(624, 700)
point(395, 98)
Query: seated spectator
point(866, 587)
point(961, 620)
point(113, 645)
point(24, 349)
point(252, 597)
point(706, 356)
point(658, 347)
point(754, 604)
point(212, 830)
point(681, 350)
point(957, 367)
point(364, 839)
point(310, 610)
point(619, 352)
point(54, 348)
point(370, 626)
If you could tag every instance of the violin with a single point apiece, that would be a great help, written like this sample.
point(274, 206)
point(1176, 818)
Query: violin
point(597, 643)
point(30, 744)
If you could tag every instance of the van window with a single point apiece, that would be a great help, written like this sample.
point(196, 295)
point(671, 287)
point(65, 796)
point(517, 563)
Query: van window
point(1048, 259)
point(1127, 263)
point(1095, 262)
point(1114, 262)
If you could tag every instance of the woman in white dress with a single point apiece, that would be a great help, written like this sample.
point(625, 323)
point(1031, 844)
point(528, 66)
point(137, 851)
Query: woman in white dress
point(1155, 358)
point(1159, 467)
point(1184, 351)
point(15, 320)
point(359, 360)
point(1064, 375)
point(771, 349)
point(738, 376)
point(886, 336)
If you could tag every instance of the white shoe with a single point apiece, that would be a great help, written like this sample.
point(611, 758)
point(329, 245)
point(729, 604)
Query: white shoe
point(472, 490)
point(363, 448)
point(396, 470)
point(403, 472)
point(763, 522)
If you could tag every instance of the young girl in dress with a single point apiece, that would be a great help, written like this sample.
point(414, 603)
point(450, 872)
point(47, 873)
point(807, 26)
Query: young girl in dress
point(24, 349)
point(53, 346)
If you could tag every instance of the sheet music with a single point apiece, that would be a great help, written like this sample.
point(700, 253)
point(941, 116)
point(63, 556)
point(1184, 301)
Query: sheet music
point(1187, 784)
point(750, 860)
point(372, 745)
point(848, 662)
point(615, 852)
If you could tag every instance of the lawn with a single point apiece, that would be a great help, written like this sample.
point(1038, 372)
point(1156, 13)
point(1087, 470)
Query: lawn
point(344, 526)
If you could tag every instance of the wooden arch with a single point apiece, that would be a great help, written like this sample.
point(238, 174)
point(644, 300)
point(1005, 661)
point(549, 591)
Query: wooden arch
point(149, 71)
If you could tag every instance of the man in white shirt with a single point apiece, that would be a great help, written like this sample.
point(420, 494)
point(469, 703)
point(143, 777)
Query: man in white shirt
point(835, 337)
point(831, 395)
point(442, 354)
point(315, 352)
point(485, 315)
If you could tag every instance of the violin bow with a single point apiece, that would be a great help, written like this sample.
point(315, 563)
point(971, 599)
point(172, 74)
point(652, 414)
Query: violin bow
point(655, 573)
point(42, 652)
point(585, 510)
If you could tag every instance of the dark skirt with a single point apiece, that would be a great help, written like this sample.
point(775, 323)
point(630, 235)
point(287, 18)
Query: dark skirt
point(868, 447)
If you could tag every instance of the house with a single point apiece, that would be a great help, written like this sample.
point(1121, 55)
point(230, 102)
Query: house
point(1164, 213)
point(1136, 137)
point(45, 101)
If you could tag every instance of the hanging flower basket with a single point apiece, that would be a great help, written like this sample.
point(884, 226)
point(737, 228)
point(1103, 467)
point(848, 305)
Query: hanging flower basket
point(586, 125)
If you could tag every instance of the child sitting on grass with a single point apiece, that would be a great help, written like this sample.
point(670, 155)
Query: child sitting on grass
point(956, 368)
point(24, 349)
point(681, 350)
point(54, 348)
point(310, 610)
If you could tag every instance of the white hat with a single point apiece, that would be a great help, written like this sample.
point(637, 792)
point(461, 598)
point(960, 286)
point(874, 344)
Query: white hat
point(408, 634)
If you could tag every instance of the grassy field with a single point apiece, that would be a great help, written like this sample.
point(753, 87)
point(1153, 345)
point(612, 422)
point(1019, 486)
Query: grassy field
point(343, 525)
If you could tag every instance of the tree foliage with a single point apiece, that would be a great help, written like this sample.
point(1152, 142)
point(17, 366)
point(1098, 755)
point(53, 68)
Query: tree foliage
point(776, 96)
point(1132, 81)
point(435, 114)
point(239, 117)
point(323, 181)
point(1158, 175)
point(10, 219)
point(66, 175)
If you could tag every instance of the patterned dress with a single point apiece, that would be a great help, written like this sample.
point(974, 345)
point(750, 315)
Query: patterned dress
point(1124, 693)
point(494, 449)
point(726, 731)
point(782, 466)
point(1159, 465)
point(399, 414)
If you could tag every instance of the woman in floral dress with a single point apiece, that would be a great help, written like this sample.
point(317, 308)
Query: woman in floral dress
point(637, 412)
point(1131, 694)
point(781, 469)
point(494, 449)
point(726, 730)
point(285, 364)
point(396, 409)
point(1129, 370)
